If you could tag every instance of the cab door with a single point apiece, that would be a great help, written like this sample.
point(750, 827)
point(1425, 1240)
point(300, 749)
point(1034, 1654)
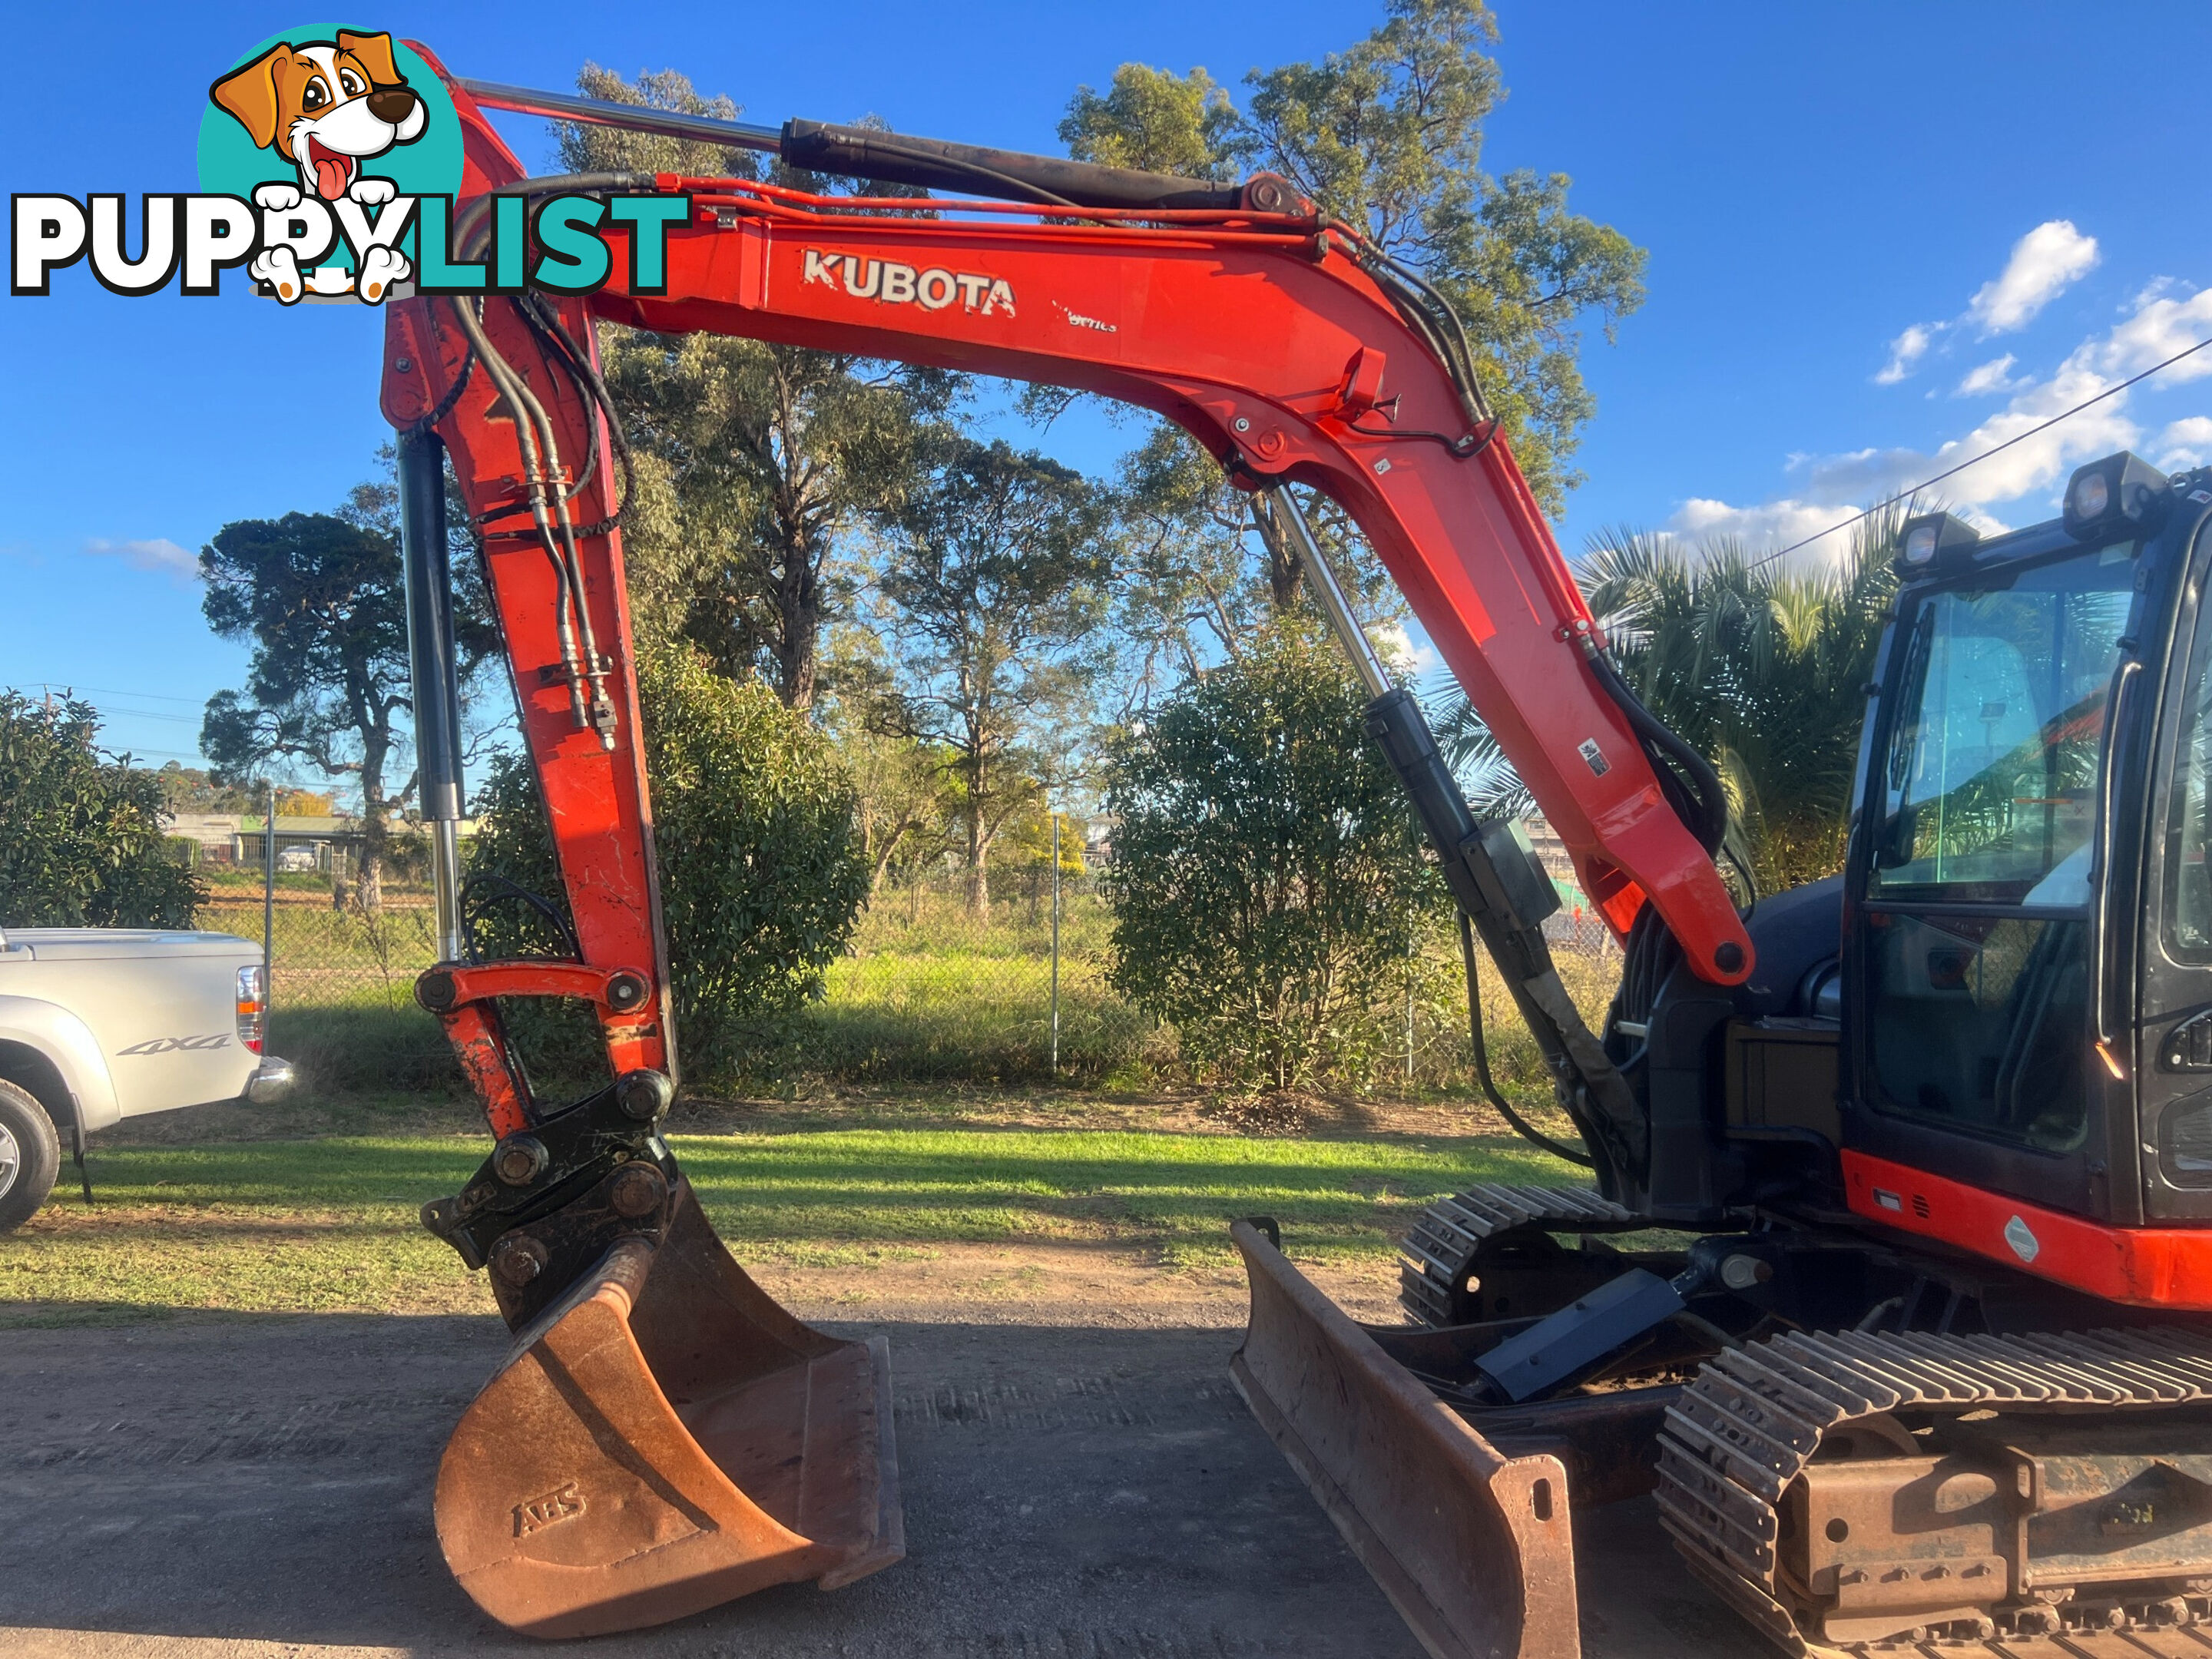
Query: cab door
point(1973, 991)
point(2173, 979)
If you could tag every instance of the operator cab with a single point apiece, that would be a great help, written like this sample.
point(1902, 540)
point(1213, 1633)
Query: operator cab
point(2027, 918)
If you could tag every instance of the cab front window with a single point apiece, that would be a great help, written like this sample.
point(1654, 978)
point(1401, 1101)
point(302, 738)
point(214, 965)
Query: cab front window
point(1988, 793)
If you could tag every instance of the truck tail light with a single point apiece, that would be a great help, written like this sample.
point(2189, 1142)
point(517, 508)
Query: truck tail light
point(252, 1007)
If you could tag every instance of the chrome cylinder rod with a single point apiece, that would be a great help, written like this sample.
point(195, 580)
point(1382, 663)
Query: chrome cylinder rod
point(437, 707)
point(1330, 593)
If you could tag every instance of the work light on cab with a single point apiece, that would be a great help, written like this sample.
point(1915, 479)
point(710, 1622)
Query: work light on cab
point(2106, 498)
point(1932, 540)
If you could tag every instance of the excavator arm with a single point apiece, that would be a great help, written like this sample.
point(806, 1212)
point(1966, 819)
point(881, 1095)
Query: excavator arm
point(665, 1436)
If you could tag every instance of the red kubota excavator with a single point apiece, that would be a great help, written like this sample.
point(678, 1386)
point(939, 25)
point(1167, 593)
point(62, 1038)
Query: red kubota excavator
point(1887, 1284)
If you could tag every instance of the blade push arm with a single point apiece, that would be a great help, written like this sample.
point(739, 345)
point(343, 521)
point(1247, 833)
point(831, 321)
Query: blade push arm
point(1264, 335)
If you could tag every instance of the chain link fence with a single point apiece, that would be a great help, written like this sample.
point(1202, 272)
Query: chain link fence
point(931, 988)
point(342, 979)
point(934, 986)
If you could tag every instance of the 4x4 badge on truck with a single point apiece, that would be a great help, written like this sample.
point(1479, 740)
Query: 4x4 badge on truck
point(171, 1045)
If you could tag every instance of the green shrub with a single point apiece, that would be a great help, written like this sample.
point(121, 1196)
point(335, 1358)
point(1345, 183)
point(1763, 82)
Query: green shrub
point(1267, 874)
point(762, 872)
point(81, 839)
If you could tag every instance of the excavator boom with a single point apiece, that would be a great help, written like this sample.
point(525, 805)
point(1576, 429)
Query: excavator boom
point(664, 1437)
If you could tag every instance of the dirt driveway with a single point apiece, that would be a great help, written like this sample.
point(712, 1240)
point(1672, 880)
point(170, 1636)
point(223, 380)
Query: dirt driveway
point(234, 1485)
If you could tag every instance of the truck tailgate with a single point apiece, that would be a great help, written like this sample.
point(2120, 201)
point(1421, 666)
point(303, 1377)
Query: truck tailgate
point(162, 1006)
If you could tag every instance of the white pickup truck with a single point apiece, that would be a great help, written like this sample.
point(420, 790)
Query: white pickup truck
point(101, 1024)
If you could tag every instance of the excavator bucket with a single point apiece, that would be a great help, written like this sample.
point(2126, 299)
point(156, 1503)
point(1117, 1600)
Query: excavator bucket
point(1474, 1548)
point(666, 1439)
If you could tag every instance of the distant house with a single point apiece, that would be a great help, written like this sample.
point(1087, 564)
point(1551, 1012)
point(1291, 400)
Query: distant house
point(329, 844)
point(216, 834)
point(304, 841)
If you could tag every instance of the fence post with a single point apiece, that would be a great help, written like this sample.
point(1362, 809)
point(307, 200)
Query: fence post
point(1413, 944)
point(268, 914)
point(1056, 947)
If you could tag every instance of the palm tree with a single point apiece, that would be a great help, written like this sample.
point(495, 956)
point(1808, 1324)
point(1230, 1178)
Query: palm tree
point(1762, 667)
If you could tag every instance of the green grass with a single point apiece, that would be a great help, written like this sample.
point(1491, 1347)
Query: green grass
point(930, 993)
point(329, 1224)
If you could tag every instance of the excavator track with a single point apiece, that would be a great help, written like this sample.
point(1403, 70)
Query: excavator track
point(2027, 1495)
point(1443, 1241)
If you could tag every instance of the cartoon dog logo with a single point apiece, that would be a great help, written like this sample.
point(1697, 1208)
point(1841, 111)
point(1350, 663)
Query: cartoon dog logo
point(325, 106)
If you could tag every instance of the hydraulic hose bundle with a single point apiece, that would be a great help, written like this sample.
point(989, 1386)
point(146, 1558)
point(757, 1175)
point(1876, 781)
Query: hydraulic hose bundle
point(583, 664)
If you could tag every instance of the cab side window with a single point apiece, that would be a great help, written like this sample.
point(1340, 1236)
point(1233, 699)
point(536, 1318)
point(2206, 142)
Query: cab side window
point(2188, 885)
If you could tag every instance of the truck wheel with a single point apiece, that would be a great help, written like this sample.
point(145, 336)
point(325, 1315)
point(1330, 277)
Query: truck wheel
point(30, 1156)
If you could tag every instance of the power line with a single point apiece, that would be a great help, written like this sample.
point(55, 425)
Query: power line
point(108, 711)
point(1907, 495)
point(110, 691)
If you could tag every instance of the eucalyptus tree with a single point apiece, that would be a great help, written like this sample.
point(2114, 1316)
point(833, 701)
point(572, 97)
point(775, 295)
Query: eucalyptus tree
point(755, 460)
point(1387, 136)
point(320, 598)
point(994, 578)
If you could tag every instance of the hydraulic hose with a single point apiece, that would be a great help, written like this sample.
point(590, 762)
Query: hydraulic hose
point(1706, 816)
point(540, 446)
point(1491, 1092)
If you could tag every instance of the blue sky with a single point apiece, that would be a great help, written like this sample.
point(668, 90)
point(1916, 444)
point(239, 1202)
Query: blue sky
point(1881, 237)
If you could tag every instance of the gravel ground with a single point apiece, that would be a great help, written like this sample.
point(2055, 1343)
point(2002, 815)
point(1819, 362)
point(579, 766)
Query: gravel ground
point(233, 1485)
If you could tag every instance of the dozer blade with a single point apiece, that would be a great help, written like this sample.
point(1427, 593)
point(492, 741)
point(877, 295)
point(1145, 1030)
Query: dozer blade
point(665, 1439)
point(1473, 1548)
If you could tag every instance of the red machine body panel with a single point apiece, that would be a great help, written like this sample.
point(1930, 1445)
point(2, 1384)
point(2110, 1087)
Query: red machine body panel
point(2140, 1267)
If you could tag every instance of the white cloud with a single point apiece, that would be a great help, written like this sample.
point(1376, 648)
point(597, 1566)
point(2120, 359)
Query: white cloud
point(1827, 489)
point(1771, 524)
point(2152, 332)
point(1403, 652)
point(158, 554)
point(1862, 474)
point(2185, 443)
point(2034, 463)
point(1992, 376)
point(1906, 350)
point(2044, 263)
